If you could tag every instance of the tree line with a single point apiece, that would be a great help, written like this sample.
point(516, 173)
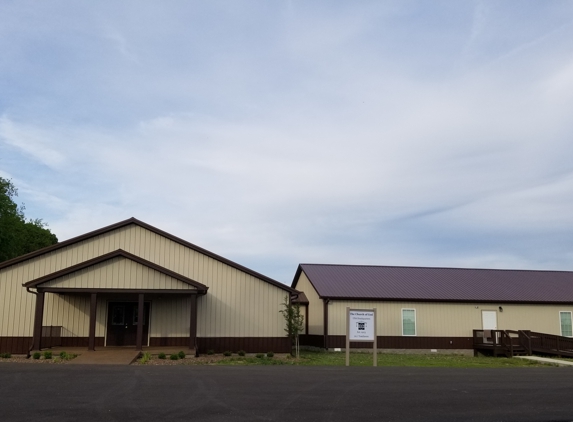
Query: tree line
point(19, 236)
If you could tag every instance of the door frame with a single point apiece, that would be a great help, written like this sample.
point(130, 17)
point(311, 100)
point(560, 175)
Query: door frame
point(483, 325)
point(145, 341)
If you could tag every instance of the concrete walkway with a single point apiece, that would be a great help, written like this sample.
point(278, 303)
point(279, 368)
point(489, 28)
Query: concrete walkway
point(550, 361)
point(106, 357)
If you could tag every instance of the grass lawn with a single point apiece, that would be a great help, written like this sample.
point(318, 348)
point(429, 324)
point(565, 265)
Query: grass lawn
point(386, 359)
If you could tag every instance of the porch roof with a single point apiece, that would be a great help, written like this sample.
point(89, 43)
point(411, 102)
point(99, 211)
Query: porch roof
point(117, 272)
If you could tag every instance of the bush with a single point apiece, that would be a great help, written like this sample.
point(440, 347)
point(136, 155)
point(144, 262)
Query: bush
point(174, 357)
point(161, 355)
point(145, 358)
point(67, 356)
point(210, 352)
point(5, 355)
point(227, 353)
point(47, 354)
point(241, 353)
point(270, 354)
point(260, 355)
point(181, 354)
point(36, 355)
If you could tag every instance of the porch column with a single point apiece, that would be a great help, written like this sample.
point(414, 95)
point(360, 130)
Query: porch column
point(92, 331)
point(139, 341)
point(38, 318)
point(193, 323)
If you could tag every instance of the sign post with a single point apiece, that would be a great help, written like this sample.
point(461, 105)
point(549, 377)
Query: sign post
point(361, 326)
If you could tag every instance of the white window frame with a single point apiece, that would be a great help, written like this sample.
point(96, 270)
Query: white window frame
point(560, 326)
point(415, 322)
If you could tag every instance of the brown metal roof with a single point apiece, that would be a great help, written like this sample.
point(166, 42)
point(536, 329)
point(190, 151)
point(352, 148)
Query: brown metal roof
point(438, 284)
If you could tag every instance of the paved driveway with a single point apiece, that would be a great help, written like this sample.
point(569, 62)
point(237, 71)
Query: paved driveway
point(268, 393)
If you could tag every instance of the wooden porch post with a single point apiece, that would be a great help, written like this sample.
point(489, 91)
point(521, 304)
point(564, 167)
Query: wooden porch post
point(193, 323)
point(139, 341)
point(38, 318)
point(92, 330)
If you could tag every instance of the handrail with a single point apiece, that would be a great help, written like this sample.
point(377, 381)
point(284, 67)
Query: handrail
point(527, 343)
point(506, 342)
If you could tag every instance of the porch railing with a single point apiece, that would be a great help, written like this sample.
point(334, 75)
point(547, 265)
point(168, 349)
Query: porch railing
point(512, 342)
point(51, 336)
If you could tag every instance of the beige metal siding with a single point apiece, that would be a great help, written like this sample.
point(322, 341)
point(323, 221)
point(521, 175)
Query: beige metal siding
point(118, 273)
point(237, 304)
point(170, 317)
point(315, 310)
point(72, 312)
point(449, 319)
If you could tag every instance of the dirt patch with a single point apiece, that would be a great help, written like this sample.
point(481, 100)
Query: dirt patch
point(208, 360)
point(21, 359)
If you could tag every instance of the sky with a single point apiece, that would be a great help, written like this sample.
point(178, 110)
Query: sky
point(274, 133)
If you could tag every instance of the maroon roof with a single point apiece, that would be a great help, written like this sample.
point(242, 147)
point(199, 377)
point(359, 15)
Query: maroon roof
point(438, 284)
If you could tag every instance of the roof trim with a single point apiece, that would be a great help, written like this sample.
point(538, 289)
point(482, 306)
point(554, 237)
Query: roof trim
point(117, 291)
point(299, 270)
point(489, 301)
point(155, 230)
point(437, 268)
point(201, 288)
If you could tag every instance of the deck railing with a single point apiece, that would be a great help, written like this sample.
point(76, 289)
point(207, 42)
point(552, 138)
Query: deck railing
point(51, 335)
point(510, 342)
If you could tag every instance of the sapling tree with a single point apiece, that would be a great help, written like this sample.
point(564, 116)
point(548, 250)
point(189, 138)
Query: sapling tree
point(294, 323)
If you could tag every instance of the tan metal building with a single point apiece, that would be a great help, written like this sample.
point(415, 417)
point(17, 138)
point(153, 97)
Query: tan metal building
point(431, 308)
point(133, 284)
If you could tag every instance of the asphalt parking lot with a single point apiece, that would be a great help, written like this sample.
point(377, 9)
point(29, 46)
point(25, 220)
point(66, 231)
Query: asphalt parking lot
point(279, 393)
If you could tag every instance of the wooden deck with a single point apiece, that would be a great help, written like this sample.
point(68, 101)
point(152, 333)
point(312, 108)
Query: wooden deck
point(511, 343)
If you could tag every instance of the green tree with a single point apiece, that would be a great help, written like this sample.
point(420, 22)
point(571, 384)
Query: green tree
point(294, 322)
point(18, 236)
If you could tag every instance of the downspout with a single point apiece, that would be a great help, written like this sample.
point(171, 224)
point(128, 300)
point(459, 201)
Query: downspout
point(325, 306)
point(32, 345)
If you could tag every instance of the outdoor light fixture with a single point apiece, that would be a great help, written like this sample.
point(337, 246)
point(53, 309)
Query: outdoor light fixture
point(500, 309)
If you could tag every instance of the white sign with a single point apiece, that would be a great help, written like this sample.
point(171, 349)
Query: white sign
point(361, 325)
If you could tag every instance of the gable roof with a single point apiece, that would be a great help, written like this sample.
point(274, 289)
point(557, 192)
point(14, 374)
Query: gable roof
point(155, 230)
point(362, 282)
point(201, 288)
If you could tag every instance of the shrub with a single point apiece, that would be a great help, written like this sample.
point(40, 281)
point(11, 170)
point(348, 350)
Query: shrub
point(270, 354)
point(145, 358)
point(210, 352)
point(181, 354)
point(47, 354)
point(174, 357)
point(260, 355)
point(161, 355)
point(241, 353)
point(67, 356)
point(36, 355)
point(227, 353)
point(5, 355)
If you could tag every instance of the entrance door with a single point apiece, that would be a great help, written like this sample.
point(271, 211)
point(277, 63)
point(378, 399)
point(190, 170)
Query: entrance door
point(488, 322)
point(122, 323)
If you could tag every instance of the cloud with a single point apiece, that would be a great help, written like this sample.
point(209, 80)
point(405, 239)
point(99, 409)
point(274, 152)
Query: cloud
point(382, 134)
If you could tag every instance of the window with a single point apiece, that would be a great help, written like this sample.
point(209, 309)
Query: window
point(408, 322)
point(566, 326)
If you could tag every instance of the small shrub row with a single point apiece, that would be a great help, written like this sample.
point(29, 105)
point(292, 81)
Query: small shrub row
point(5, 355)
point(242, 353)
point(146, 357)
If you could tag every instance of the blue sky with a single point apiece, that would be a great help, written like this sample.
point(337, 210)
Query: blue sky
point(278, 132)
